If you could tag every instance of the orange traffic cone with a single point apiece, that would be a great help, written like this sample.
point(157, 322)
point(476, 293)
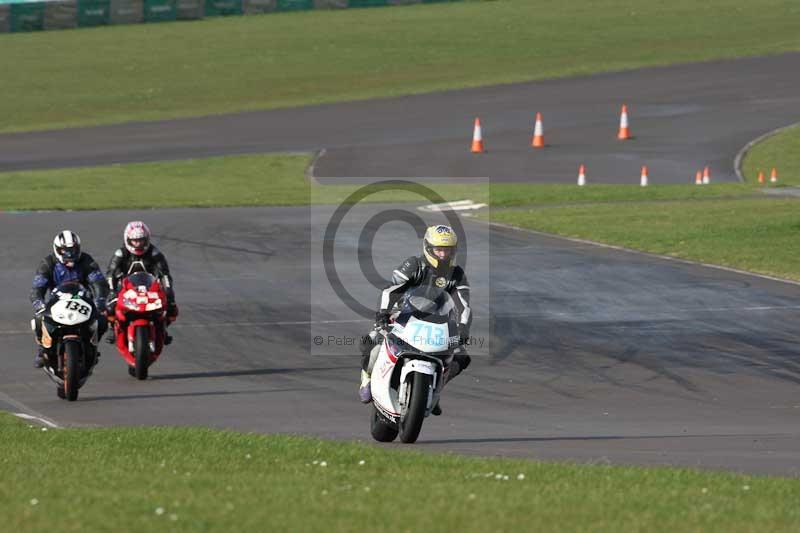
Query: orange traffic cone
point(706, 176)
point(643, 181)
point(624, 133)
point(698, 178)
point(773, 176)
point(761, 176)
point(538, 134)
point(477, 138)
point(581, 176)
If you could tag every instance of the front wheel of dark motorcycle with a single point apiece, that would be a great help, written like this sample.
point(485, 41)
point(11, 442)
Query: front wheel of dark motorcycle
point(382, 430)
point(411, 423)
point(72, 370)
point(141, 349)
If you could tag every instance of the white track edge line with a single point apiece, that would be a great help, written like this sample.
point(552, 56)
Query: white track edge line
point(36, 419)
point(30, 415)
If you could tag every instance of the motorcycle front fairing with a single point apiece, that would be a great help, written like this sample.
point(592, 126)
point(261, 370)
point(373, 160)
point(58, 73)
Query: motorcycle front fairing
point(69, 314)
point(421, 340)
point(140, 303)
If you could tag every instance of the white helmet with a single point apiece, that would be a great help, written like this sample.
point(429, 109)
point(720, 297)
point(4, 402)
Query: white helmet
point(67, 247)
point(137, 237)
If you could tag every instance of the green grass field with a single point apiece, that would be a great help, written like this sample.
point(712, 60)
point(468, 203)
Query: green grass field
point(148, 71)
point(782, 152)
point(160, 479)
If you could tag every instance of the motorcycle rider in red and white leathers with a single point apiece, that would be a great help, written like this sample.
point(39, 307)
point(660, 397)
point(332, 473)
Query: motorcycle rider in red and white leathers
point(66, 263)
point(436, 267)
point(139, 254)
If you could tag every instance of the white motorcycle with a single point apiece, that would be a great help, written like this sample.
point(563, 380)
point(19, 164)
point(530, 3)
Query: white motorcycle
point(69, 336)
point(411, 364)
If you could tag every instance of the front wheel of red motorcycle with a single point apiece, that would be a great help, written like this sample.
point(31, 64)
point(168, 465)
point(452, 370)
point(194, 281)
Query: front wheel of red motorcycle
point(141, 348)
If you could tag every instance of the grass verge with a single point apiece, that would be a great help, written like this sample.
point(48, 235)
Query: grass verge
point(759, 235)
point(253, 180)
point(149, 71)
point(160, 479)
point(219, 181)
point(781, 151)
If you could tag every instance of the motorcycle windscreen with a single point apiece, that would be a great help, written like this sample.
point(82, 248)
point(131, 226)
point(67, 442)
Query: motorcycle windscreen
point(69, 289)
point(427, 320)
point(141, 279)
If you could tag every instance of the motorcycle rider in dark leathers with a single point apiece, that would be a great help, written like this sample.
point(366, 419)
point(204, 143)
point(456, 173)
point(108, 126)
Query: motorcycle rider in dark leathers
point(66, 263)
point(435, 267)
point(138, 254)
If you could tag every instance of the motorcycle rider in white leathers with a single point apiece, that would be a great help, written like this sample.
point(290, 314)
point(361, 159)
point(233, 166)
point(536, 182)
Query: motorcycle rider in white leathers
point(436, 267)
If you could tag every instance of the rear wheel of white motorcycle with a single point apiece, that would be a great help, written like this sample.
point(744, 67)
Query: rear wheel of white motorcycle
point(141, 349)
point(411, 423)
point(382, 430)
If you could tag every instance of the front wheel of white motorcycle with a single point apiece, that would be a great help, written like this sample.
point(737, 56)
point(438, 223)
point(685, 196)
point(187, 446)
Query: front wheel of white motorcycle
point(411, 423)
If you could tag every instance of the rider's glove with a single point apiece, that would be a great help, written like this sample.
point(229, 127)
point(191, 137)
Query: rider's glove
point(172, 310)
point(381, 320)
point(38, 307)
point(463, 334)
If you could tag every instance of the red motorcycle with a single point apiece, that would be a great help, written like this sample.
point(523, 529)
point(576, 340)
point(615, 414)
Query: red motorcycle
point(140, 321)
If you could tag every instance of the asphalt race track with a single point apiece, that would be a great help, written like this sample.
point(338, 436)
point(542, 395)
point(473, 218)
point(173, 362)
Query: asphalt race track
point(581, 352)
point(593, 354)
point(683, 117)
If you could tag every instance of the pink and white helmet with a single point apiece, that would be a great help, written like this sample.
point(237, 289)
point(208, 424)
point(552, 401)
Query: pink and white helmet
point(137, 237)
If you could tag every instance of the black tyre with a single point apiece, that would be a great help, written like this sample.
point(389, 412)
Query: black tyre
point(72, 370)
point(141, 348)
point(411, 423)
point(382, 430)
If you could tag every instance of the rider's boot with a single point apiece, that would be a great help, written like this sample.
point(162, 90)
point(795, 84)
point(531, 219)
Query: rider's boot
point(111, 336)
point(39, 359)
point(455, 369)
point(167, 339)
point(364, 391)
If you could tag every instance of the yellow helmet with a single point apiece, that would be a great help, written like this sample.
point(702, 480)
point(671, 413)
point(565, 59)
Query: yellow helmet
point(439, 246)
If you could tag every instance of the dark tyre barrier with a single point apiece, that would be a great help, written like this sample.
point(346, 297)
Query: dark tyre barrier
point(24, 15)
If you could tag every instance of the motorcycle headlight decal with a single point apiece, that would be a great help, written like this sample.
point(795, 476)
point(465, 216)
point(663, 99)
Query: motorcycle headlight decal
point(129, 294)
point(47, 340)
